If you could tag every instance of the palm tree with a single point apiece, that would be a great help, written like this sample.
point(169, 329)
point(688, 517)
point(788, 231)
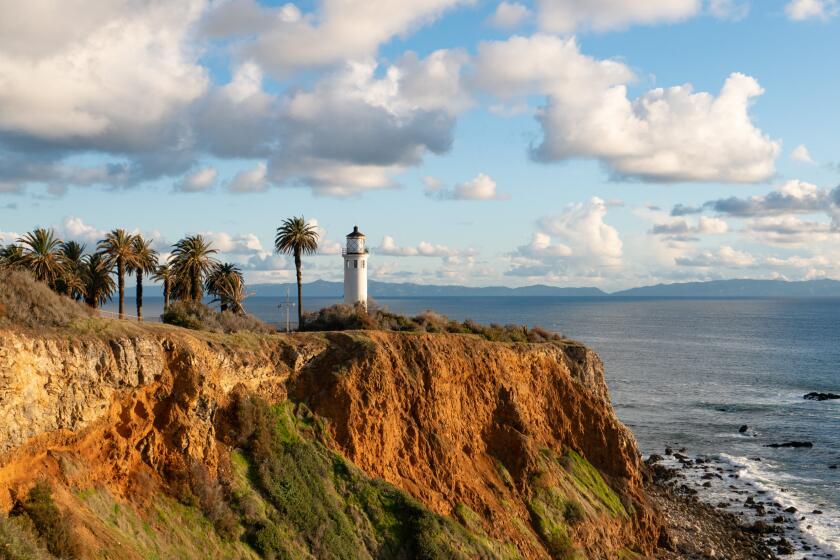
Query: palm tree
point(145, 261)
point(297, 238)
point(41, 255)
point(118, 247)
point(163, 273)
point(11, 256)
point(72, 255)
point(226, 282)
point(192, 260)
point(99, 283)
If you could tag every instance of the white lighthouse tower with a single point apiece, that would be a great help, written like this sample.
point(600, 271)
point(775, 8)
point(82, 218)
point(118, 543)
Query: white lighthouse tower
point(355, 268)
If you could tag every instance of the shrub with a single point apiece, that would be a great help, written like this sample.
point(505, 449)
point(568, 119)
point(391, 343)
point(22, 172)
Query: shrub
point(27, 302)
point(48, 521)
point(17, 541)
point(197, 488)
point(573, 512)
point(199, 317)
point(346, 317)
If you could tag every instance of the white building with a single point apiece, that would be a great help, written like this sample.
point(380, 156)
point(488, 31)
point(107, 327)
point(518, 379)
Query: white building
point(355, 268)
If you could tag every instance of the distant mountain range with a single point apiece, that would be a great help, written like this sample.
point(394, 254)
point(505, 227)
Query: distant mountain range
point(739, 288)
point(711, 289)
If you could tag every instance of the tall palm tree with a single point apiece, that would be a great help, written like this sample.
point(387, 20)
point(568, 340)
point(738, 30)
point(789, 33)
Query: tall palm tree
point(296, 237)
point(163, 273)
point(192, 260)
point(226, 282)
point(145, 261)
point(41, 255)
point(99, 282)
point(118, 248)
point(11, 256)
point(72, 255)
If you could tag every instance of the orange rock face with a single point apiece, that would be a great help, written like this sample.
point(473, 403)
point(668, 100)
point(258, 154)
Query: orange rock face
point(454, 420)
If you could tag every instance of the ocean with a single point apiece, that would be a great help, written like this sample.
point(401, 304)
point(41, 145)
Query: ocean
point(688, 373)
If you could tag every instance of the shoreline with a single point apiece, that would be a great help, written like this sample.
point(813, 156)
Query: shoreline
point(710, 512)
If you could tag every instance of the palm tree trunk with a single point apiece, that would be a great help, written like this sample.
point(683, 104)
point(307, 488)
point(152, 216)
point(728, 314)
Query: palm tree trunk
point(165, 295)
point(300, 290)
point(139, 295)
point(196, 288)
point(121, 282)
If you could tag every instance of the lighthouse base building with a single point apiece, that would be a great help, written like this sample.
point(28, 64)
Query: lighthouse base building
point(355, 268)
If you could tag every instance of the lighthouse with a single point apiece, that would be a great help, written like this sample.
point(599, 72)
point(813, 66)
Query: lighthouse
point(355, 268)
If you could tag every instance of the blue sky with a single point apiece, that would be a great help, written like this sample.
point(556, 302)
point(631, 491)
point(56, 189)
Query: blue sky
point(475, 142)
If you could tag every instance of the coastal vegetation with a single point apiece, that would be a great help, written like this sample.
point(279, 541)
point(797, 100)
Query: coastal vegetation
point(65, 267)
point(297, 237)
point(349, 317)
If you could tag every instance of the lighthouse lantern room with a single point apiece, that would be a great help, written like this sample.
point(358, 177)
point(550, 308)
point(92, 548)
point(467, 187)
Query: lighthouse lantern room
point(355, 268)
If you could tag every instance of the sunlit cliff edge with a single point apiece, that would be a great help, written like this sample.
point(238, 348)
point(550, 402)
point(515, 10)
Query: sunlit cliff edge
point(155, 442)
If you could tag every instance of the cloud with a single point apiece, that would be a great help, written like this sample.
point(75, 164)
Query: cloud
point(354, 130)
point(509, 15)
point(389, 247)
point(237, 244)
point(665, 135)
point(569, 16)
point(480, 187)
point(431, 184)
point(8, 237)
point(732, 10)
point(791, 230)
point(681, 229)
point(684, 210)
point(200, 180)
point(100, 75)
point(792, 197)
point(284, 39)
point(250, 180)
point(577, 240)
point(801, 10)
point(801, 154)
point(74, 228)
point(266, 262)
point(725, 257)
point(238, 119)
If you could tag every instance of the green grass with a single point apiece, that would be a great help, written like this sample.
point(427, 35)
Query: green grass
point(590, 482)
point(18, 541)
point(298, 499)
point(166, 529)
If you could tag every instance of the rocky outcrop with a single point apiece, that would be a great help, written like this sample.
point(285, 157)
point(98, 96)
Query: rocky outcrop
point(454, 420)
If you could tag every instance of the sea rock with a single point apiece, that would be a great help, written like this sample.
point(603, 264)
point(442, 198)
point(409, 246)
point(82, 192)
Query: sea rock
point(791, 509)
point(785, 547)
point(794, 444)
point(743, 429)
point(815, 396)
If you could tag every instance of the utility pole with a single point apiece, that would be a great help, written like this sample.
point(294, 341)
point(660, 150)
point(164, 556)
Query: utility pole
point(288, 306)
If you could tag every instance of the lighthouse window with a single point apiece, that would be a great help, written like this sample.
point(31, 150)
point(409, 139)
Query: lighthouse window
point(363, 264)
point(355, 264)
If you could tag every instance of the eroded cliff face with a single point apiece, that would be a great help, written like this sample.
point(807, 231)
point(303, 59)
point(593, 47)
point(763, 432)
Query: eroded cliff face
point(508, 433)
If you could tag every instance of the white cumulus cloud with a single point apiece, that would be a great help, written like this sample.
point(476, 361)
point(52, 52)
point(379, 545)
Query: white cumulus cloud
point(665, 135)
point(199, 180)
point(480, 187)
point(569, 16)
point(725, 257)
point(800, 10)
point(801, 154)
point(284, 39)
point(509, 15)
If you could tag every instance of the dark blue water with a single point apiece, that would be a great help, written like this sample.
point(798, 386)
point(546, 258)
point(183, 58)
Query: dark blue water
point(688, 373)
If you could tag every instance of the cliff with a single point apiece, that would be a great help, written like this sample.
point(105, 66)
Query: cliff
point(409, 445)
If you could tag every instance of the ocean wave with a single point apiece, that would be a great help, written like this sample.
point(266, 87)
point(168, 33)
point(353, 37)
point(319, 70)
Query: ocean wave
point(730, 479)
